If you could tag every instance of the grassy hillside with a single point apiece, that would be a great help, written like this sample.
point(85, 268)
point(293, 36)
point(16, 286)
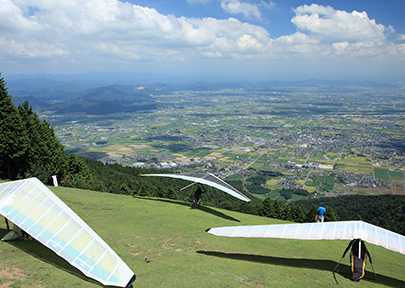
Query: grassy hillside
point(181, 254)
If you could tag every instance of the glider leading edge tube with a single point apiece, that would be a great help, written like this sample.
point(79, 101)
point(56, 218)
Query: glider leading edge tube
point(319, 231)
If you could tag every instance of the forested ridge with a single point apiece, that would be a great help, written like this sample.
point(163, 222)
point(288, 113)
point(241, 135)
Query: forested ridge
point(29, 148)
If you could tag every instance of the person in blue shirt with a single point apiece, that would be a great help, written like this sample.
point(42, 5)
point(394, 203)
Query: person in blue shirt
point(321, 213)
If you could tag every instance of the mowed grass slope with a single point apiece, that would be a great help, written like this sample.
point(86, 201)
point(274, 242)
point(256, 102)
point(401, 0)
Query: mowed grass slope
point(181, 254)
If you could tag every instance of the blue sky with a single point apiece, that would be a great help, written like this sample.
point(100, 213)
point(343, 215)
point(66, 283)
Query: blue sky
point(221, 39)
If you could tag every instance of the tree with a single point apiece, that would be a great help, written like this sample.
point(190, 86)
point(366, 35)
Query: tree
point(78, 172)
point(267, 208)
point(298, 213)
point(124, 189)
point(39, 172)
point(13, 137)
point(330, 214)
point(172, 194)
point(44, 149)
point(279, 210)
point(144, 189)
point(311, 214)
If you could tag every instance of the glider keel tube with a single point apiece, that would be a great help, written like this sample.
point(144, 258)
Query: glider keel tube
point(345, 230)
point(34, 208)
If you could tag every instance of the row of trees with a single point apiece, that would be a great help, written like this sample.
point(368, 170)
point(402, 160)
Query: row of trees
point(387, 211)
point(28, 146)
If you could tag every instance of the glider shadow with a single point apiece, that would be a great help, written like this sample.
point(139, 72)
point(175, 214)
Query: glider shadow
point(318, 264)
point(46, 255)
point(202, 208)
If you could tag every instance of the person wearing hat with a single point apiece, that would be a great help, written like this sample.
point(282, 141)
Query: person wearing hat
point(321, 213)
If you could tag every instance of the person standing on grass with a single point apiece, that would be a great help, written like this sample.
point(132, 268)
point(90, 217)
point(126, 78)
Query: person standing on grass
point(197, 196)
point(320, 217)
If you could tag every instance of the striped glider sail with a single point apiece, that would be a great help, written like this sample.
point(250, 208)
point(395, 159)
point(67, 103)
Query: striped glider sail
point(34, 208)
point(319, 231)
point(207, 179)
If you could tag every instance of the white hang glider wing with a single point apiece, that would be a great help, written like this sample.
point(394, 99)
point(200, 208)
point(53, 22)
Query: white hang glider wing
point(38, 211)
point(319, 231)
point(207, 179)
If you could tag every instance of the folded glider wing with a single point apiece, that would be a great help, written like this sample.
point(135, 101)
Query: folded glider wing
point(319, 231)
point(207, 179)
point(38, 211)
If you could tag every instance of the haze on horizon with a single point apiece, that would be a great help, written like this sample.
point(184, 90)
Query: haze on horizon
point(232, 39)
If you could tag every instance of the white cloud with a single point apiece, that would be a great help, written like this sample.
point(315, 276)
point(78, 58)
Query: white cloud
point(110, 26)
point(237, 7)
point(100, 34)
point(327, 23)
point(245, 8)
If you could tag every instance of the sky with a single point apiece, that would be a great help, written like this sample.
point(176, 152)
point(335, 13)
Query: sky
point(221, 39)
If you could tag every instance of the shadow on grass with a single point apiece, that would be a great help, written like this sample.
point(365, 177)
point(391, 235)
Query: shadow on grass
point(3, 232)
point(317, 264)
point(202, 208)
point(46, 255)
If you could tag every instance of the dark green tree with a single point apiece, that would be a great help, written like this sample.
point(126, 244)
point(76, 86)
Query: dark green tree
point(280, 210)
point(298, 213)
point(38, 171)
point(313, 211)
point(330, 215)
point(144, 190)
point(267, 208)
point(172, 194)
point(44, 149)
point(78, 172)
point(13, 137)
point(124, 189)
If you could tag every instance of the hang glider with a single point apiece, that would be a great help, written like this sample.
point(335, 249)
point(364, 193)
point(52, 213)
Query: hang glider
point(319, 231)
point(34, 208)
point(207, 179)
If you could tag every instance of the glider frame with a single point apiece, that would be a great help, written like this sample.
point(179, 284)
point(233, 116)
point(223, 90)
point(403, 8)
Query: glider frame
point(334, 269)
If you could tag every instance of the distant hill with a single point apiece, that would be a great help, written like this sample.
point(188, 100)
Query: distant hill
point(33, 101)
point(119, 95)
point(51, 86)
point(95, 101)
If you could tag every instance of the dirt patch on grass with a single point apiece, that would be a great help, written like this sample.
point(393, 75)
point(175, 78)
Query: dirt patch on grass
point(12, 276)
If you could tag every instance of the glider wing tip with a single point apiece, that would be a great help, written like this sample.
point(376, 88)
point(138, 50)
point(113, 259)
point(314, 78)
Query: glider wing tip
point(131, 281)
point(207, 230)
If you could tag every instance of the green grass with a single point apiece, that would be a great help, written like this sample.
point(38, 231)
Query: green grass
point(172, 237)
point(381, 173)
point(396, 176)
